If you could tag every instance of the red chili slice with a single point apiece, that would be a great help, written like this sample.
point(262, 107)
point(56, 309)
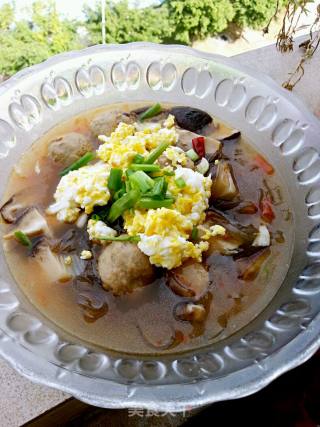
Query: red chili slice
point(263, 164)
point(266, 210)
point(198, 145)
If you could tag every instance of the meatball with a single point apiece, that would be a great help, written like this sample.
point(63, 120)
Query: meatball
point(105, 123)
point(69, 148)
point(124, 268)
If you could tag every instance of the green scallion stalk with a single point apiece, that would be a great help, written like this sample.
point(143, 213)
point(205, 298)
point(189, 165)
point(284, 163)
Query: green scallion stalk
point(95, 217)
point(149, 203)
point(168, 173)
point(124, 203)
point(145, 167)
point(181, 183)
point(84, 160)
point(194, 233)
point(141, 181)
point(150, 112)
point(121, 239)
point(138, 159)
point(160, 187)
point(118, 194)
point(192, 155)
point(156, 152)
point(23, 239)
point(115, 179)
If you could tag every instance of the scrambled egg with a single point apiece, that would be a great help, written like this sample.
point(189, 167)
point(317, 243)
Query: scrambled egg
point(81, 189)
point(163, 236)
point(97, 229)
point(213, 231)
point(164, 233)
point(86, 254)
point(169, 251)
point(176, 155)
point(191, 200)
point(126, 141)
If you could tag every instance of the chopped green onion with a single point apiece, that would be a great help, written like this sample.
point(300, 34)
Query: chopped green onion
point(23, 239)
point(160, 187)
point(203, 166)
point(85, 159)
point(168, 173)
point(149, 203)
point(150, 112)
point(124, 203)
point(156, 174)
point(127, 182)
point(144, 167)
point(128, 185)
point(115, 179)
point(100, 213)
point(192, 155)
point(181, 183)
point(157, 152)
point(141, 181)
point(121, 238)
point(138, 159)
point(119, 193)
point(95, 217)
point(194, 233)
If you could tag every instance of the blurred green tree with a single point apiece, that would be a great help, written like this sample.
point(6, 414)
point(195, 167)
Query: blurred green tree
point(24, 43)
point(254, 13)
point(198, 19)
point(6, 16)
point(125, 24)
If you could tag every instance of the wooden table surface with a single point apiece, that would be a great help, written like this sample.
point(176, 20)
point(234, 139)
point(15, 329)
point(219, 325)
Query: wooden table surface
point(22, 401)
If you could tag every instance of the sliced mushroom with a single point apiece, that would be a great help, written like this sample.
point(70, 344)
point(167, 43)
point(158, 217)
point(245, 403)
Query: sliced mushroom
point(69, 148)
point(191, 280)
point(250, 267)
point(52, 265)
point(212, 145)
point(224, 185)
point(224, 245)
point(223, 132)
point(32, 223)
point(105, 123)
point(123, 268)
point(190, 312)
point(191, 119)
point(263, 237)
point(237, 240)
point(12, 209)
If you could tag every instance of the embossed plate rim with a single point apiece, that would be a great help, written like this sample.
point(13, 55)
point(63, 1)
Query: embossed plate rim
point(196, 391)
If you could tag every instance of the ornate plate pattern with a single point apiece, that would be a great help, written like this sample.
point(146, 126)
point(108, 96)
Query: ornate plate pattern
point(283, 336)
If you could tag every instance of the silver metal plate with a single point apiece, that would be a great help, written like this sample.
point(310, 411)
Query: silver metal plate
point(284, 335)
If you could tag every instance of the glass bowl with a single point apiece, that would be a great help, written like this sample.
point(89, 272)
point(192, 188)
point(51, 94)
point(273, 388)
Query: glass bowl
point(281, 337)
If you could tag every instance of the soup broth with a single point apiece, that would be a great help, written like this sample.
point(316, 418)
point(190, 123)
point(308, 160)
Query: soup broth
point(148, 321)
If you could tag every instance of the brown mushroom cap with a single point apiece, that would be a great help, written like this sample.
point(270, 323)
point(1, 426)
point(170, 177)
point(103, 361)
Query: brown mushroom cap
point(191, 280)
point(12, 210)
point(32, 223)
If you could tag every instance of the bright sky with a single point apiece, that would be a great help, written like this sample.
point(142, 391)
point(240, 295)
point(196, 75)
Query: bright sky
point(69, 8)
